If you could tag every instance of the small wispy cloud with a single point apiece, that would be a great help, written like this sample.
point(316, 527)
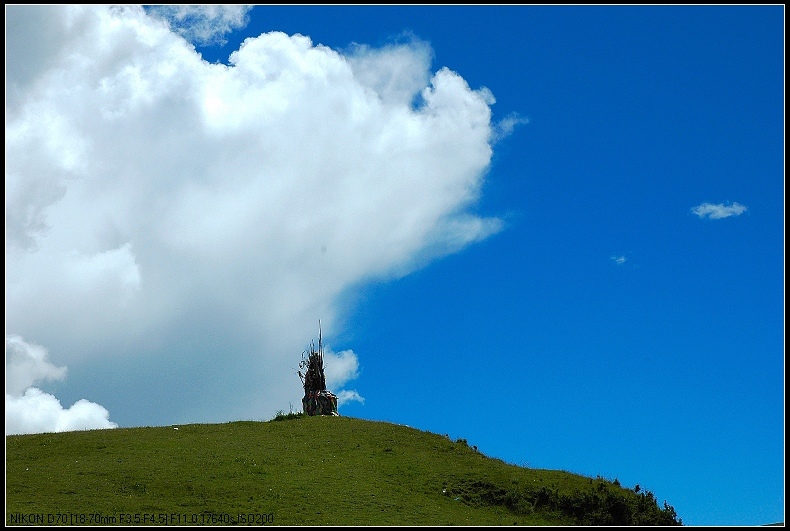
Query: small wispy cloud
point(619, 260)
point(718, 211)
point(504, 127)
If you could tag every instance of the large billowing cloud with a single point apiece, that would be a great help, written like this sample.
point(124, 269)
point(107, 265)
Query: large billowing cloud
point(176, 229)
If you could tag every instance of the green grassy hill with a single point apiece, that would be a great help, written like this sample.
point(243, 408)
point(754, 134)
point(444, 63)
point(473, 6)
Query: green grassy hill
point(297, 470)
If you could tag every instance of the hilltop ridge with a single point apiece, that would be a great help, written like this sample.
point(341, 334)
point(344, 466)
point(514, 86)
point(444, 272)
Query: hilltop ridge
point(299, 470)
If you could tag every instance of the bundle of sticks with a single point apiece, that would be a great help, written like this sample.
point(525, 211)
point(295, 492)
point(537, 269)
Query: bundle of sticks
point(313, 366)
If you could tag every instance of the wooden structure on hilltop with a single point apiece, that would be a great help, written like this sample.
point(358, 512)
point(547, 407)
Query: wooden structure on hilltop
point(317, 399)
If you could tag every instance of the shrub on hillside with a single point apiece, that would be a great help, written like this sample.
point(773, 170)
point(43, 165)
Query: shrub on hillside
point(603, 503)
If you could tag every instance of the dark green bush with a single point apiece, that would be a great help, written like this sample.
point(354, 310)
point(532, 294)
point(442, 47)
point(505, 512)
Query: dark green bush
point(602, 503)
point(287, 416)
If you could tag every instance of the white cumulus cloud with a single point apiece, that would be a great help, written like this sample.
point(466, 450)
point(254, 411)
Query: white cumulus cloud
point(340, 367)
point(27, 363)
point(29, 409)
point(203, 24)
point(344, 397)
point(40, 412)
point(718, 211)
point(395, 73)
point(176, 228)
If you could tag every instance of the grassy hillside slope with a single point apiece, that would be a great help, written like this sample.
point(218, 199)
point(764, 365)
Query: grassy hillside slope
point(298, 471)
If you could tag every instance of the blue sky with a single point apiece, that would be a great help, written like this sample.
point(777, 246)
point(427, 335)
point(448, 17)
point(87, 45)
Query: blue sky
point(554, 231)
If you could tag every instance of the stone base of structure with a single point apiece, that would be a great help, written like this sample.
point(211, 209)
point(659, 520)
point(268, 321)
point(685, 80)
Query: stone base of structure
point(320, 403)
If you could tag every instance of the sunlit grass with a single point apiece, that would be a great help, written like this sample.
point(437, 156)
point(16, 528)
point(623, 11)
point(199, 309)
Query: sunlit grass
point(300, 471)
